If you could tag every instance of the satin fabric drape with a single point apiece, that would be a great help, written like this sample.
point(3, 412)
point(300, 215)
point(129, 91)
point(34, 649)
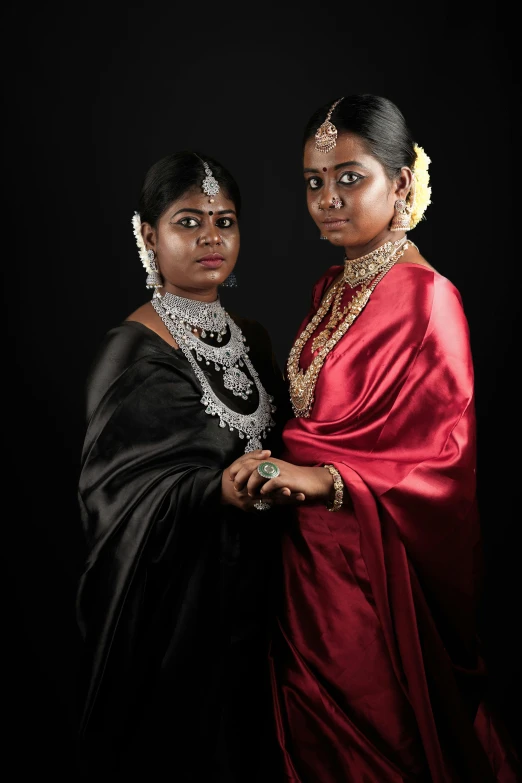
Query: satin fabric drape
point(376, 666)
point(175, 598)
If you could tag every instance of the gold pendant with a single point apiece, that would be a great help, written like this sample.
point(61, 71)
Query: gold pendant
point(321, 339)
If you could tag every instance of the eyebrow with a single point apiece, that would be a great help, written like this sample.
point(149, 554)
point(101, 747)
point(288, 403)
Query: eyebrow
point(201, 212)
point(338, 166)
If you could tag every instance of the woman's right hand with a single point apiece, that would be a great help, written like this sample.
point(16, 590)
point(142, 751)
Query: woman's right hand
point(240, 497)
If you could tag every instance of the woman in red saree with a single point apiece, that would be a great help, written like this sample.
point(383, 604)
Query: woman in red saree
point(377, 671)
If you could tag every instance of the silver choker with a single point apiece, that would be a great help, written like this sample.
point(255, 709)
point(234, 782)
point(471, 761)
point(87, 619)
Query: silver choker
point(230, 359)
point(208, 317)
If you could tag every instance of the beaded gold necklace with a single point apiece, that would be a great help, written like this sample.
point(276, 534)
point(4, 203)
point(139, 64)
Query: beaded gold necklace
point(358, 272)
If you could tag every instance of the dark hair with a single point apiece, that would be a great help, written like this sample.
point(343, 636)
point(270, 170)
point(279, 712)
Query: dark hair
point(376, 120)
point(172, 176)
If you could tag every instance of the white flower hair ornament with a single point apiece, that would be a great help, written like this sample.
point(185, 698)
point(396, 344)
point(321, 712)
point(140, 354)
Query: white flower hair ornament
point(421, 186)
point(136, 227)
point(147, 256)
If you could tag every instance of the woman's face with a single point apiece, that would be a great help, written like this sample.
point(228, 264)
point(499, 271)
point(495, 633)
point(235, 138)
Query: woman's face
point(196, 244)
point(349, 175)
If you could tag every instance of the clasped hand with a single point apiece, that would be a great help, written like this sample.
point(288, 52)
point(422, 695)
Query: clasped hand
point(243, 485)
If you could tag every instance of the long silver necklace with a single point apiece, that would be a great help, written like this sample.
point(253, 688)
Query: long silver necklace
point(182, 317)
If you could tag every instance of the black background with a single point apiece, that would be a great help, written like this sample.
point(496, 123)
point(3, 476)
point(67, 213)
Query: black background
point(94, 94)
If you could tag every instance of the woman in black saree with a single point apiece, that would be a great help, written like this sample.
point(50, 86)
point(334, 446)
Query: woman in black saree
point(174, 600)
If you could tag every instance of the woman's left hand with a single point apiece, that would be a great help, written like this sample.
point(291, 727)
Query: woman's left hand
point(245, 467)
point(293, 482)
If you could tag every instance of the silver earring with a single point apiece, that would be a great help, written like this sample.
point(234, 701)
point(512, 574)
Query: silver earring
point(153, 278)
point(230, 281)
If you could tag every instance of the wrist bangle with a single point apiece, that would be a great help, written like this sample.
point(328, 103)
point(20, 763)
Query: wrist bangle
point(338, 487)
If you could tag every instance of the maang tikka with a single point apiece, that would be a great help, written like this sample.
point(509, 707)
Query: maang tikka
point(210, 185)
point(326, 134)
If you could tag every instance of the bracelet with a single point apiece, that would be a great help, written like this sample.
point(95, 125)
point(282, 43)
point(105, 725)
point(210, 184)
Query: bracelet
point(339, 489)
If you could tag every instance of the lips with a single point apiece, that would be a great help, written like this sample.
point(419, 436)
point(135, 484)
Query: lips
point(331, 225)
point(211, 261)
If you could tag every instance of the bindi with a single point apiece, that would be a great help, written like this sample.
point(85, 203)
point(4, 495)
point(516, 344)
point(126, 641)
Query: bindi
point(210, 213)
point(324, 168)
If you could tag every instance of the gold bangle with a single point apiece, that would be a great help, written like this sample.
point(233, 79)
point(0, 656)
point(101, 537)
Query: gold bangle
point(339, 489)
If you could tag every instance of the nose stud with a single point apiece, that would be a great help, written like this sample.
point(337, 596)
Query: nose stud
point(336, 203)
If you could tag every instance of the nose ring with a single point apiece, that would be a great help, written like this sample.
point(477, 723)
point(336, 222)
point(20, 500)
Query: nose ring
point(337, 202)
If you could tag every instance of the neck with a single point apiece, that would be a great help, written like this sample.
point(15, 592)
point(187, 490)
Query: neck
point(197, 294)
point(352, 253)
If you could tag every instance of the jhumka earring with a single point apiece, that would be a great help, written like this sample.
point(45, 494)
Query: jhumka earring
point(337, 202)
point(326, 134)
point(230, 281)
point(153, 278)
point(402, 217)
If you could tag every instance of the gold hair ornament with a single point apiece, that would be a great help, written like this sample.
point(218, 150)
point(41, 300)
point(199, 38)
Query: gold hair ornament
point(326, 134)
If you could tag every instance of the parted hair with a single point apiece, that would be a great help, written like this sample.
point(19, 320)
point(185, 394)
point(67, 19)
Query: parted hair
point(378, 121)
point(174, 175)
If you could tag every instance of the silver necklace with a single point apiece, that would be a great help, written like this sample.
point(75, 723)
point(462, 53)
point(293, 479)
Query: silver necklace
point(206, 316)
point(229, 359)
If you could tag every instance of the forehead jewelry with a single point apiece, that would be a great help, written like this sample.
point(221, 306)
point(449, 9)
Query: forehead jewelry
point(210, 185)
point(326, 134)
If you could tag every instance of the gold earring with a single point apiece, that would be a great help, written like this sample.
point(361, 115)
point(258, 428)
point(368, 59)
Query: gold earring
point(401, 218)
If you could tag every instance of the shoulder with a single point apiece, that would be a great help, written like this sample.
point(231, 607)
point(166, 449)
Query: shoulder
point(128, 342)
point(323, 284)
point(413, 280)
point(431, 304)
point(148, 316)
point(252, 330)
point(130, 345)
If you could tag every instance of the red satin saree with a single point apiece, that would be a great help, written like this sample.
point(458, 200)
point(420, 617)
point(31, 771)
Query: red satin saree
point(377, 674)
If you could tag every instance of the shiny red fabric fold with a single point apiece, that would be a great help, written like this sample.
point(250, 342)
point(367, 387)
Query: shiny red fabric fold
point(377, 672)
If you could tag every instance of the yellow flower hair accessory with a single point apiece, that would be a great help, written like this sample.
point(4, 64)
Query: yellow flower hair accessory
point(422, 192)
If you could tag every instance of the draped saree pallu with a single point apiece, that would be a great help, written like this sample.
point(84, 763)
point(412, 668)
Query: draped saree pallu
point(376, 670)
point(174, 599)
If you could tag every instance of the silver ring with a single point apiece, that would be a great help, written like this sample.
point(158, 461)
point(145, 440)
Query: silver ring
point(268, 470)
point(261, 505)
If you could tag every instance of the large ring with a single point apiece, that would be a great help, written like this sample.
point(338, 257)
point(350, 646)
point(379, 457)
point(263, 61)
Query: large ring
point(268, 470)
point(261, 505)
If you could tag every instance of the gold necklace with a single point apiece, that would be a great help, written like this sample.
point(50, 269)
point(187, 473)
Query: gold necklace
point(302, 383)
point(358, 271)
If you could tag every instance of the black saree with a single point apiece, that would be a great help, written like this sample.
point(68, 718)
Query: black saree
point(174, 603)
